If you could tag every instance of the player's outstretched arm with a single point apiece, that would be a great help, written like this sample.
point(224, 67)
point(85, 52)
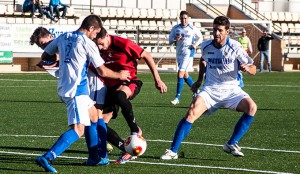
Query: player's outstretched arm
point(103, 71)
point(160, 85)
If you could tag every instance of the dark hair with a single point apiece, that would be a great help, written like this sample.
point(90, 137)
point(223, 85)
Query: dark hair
point(91, 20)
point(184, 13)
point(37, 34)
point(102, 33)
point(222, 20)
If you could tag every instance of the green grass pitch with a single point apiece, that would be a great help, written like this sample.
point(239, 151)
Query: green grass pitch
point(32, 118)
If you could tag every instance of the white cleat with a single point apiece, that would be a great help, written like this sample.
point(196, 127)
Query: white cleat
point(175, 101)
point(169, 155)
point(234, 149)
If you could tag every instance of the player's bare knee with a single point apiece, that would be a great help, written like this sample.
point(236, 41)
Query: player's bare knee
point(252, 108)
point(79, 130)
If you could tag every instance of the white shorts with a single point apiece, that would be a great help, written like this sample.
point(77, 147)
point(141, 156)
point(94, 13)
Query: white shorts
point(97, 88)
point(185, 64)
point(78, 109)
point(216, 97)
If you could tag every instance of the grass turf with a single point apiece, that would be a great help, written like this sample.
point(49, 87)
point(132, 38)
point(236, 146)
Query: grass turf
point(32, 118)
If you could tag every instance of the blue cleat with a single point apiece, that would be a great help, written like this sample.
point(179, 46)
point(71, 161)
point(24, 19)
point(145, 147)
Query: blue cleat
point(99, 162)
point(43, 162)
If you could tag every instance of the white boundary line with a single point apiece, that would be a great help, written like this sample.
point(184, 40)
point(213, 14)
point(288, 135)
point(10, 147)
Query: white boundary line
point(165, 141)
point(288, 86)
point(163, 164)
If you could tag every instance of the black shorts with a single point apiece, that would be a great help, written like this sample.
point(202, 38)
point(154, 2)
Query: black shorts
point(110, 105)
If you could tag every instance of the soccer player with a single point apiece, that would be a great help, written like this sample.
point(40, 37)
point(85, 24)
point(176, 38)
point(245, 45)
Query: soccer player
point(76, 50)
point(42, 37)
point(219, 66)
point(122, 54)
point(186, 38)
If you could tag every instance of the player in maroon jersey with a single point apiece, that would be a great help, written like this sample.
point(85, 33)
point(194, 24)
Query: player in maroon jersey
point(122, 54)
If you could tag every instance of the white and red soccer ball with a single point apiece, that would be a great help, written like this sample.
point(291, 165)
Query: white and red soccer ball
point(135, 145)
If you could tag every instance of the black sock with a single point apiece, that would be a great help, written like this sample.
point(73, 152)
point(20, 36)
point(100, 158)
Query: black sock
point(127, 110)
point(114, 139)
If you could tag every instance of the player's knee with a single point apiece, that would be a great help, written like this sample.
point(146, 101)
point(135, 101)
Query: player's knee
point(120, 97)
point(79, 130)
point(252, 108)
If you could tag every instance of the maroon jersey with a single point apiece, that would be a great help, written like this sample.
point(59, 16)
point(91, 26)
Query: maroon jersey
point(122, 54)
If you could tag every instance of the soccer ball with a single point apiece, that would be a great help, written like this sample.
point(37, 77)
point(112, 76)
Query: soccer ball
point(135, 145)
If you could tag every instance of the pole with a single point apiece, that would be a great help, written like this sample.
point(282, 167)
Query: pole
point(90, 6)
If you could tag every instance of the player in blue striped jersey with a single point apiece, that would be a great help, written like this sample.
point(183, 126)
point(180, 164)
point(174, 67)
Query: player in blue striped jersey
point(219, 64)
point(186, 38)
point(76, 50)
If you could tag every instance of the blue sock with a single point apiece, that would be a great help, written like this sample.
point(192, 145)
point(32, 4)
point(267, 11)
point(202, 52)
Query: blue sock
point(91, 133)
point(102, 135)
point(180, 83)
point(240, 128)
point(189, 81)
point(63, 142)
point(182, 130)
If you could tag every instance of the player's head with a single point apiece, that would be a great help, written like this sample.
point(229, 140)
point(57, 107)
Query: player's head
point(41, 37)
point(221, 27)
point(91, 26)
point(102, 39)
point(184, 18)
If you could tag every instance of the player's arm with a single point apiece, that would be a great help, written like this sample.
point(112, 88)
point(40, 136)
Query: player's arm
point(103, 71)
point(202, 68)
point(160, 85)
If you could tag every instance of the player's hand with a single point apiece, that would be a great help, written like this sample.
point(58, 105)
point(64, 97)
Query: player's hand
point(124, 75)
point(244, 67)
point(177, 37)
point(160, 85)
point(196, 86)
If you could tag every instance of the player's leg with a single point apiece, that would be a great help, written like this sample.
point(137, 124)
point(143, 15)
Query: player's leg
point(267, 55)
point(262, 58)
point(188, 66)
point(122, 98)
point(180, 80)
point(248, 107)
point(197, 108)
point(98, 126)
point(116, 140)
point(78, 117)
point(188, 79)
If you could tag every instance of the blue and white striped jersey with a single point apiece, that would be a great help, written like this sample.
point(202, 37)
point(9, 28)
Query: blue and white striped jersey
point(76, 51)
point(222, 64)
point(189, 34)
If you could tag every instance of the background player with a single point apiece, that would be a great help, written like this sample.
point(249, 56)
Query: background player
point(219, 65)
point(187, 38)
